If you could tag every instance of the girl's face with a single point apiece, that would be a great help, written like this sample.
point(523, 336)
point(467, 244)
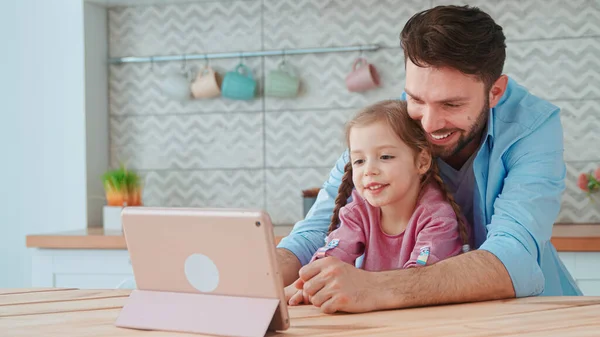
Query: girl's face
point(384, 169)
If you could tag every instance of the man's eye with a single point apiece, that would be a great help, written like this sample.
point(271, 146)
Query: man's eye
point(416, 101)
point(386, 157)
point(450, 105)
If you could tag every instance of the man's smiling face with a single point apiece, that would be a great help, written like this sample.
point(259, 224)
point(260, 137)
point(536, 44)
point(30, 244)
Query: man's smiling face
point(452, 107)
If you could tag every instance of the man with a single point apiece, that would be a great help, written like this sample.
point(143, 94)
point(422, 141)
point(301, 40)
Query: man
point(500, 152)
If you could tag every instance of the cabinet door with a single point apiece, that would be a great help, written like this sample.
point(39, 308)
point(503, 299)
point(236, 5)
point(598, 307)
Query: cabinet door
point(82, 268)
point(93, 281)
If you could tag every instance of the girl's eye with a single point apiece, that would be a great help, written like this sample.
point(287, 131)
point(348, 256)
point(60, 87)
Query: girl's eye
point(358, 161)
point(386, 157)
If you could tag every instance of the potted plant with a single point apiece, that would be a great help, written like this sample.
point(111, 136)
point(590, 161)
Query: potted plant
point(123, 188)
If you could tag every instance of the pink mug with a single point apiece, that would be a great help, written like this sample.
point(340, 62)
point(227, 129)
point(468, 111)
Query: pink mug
point(363, 77)
point(207, 84)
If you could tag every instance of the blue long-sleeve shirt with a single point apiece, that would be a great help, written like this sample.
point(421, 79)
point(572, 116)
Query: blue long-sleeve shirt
point(519, 178)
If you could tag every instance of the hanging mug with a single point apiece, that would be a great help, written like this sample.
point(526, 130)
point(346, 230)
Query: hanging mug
point(239, 84)
point(363, 77)
point(282, 82)
point(175, 85)
point(207, 84)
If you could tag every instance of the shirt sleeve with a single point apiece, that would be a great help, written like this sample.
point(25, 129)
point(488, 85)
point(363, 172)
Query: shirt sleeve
point(437, 240)
point(308, 234)
point(528, 205)
point(347, 242)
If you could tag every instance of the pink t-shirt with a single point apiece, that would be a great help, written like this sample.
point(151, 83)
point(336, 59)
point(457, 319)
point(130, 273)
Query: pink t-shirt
point(430, 236)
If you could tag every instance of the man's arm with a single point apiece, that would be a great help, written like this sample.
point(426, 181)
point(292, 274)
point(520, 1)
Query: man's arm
point(296, 249)
point(289, 265)
point(506, 265)
point(472, 277)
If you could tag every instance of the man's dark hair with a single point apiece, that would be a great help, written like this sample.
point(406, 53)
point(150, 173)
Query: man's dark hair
point(460, 37)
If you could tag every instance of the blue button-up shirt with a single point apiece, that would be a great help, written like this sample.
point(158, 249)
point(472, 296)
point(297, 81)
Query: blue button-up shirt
point(519, 177)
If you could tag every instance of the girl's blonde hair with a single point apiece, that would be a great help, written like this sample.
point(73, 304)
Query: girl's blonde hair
point(395, 114)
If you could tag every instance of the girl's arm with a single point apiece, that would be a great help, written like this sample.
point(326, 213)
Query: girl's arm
point(347, 242)
point(437, 239)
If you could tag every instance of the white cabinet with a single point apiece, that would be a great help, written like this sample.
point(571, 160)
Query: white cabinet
point(585, 269)
point(82, 268)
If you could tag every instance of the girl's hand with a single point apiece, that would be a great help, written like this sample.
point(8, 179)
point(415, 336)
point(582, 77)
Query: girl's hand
point(290, 291)
point(297, 298)
point(294, 295)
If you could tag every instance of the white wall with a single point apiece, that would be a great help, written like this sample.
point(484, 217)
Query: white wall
point(10, 158)
point(42, 159)
point(96, 101)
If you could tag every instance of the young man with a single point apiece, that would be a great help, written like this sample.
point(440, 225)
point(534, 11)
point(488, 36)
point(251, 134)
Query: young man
point(501, 153)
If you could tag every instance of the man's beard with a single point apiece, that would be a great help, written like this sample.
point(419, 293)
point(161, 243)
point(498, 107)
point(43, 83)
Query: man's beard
point(464, 140)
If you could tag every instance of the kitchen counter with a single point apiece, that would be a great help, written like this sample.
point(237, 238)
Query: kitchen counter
point(566, 237)
point(98, 238)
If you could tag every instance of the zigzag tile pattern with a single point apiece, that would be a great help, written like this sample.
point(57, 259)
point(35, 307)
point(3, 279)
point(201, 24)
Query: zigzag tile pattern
point(217, 26)
point(540, 19)
point(227, 140)
point(581, 122)
point(569, 69)
point(310, 23)
point(210, 188)
point(284, 191)
point(305, 138)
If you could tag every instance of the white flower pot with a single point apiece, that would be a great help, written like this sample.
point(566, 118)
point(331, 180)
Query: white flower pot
point(111, 218)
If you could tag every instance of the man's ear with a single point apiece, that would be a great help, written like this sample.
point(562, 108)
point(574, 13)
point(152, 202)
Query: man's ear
point(424, 161)
point(497, 90)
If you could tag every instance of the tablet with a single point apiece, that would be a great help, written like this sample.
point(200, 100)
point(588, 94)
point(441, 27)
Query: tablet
point(210, 251)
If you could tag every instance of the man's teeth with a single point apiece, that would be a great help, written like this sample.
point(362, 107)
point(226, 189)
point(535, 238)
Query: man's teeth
point(374, 187)
point(438, 137)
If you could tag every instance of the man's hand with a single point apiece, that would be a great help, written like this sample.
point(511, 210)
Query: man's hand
point(333, 285)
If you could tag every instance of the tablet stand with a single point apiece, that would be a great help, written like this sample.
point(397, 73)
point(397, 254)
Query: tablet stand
point(197, 313)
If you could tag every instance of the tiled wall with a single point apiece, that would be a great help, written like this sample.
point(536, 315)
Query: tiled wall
point(262, 153)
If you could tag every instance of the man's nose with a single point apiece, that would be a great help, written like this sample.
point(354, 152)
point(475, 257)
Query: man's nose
point(432, 120)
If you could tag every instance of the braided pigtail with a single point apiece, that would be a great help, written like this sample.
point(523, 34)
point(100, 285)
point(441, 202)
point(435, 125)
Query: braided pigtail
point(462, 226)
point(344, 193)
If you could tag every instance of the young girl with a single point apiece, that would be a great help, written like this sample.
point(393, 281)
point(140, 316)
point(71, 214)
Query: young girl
point(401, 215)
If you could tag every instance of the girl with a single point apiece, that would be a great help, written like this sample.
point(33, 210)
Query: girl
point(401, 215)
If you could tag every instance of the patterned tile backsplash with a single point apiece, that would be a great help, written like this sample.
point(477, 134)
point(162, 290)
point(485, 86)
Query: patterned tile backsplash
point(263, 152)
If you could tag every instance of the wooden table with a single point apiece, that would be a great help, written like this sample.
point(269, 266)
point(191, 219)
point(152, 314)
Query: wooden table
point(83, 313)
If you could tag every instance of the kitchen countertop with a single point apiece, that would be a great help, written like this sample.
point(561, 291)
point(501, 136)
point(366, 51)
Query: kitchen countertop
point(566, 237)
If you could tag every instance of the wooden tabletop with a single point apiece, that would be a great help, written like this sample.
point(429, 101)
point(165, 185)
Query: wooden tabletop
point(86, 313)
point(566, 237)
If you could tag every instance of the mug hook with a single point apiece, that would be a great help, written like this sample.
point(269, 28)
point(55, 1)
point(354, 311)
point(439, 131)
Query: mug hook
point(152, 63)
point(207, 62)
point(241, 57)
point(283, 61)
point(362, 52)
point(184, 64)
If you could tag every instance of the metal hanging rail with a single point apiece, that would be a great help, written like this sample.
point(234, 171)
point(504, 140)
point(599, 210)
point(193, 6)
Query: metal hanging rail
point(283, 52)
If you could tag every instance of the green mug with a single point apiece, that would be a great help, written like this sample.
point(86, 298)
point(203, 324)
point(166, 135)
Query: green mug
point(282, 82)
point(239, 84)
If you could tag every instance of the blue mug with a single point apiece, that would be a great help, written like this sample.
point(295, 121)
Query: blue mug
point(239, 84)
